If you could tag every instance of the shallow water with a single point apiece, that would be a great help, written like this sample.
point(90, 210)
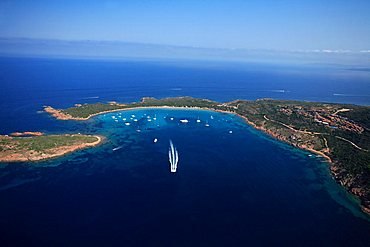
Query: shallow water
point(230, 189)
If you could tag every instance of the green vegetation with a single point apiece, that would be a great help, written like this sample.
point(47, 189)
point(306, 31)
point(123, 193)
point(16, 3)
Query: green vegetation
point(361, 114)
point(179, 102)
point(86, 110)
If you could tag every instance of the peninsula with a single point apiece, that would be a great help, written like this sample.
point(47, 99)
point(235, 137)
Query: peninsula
point(338, 132)
point(41, 147)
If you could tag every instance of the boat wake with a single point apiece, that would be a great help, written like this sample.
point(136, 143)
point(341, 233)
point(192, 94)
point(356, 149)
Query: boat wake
point(173, 156)
point(349, 95)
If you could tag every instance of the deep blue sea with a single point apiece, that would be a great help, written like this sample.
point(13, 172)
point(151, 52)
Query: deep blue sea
point(234, 185)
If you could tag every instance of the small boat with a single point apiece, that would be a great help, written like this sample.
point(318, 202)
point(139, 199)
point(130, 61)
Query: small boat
point(155, 140)
point(127, 124)
point(171, 118)
point(198, 120)
point(135, 120)
point(184, 121)
point(117, 148)
point(230, 131)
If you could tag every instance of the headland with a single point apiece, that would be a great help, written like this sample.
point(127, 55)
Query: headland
point(42, 147)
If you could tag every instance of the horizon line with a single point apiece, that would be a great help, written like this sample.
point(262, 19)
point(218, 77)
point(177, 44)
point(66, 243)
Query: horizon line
point(313, 51)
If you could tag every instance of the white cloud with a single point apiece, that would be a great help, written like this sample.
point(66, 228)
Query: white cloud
point(324, 51)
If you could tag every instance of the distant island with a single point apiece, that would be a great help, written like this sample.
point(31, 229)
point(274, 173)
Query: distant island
point(338, 132)
point(37, 147)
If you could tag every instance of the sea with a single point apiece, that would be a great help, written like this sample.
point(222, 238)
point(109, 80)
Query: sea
point(234, 185)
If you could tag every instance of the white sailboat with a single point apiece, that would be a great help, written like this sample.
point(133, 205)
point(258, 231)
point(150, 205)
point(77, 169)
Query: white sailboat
point(173, 157)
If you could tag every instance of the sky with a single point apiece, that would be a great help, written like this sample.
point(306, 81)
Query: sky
point(335, 25)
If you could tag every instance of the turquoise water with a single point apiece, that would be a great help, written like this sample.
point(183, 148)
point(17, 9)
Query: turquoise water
point(234, 186)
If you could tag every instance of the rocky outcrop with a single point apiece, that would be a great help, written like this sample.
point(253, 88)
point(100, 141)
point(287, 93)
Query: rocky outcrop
point(57, 113)
point(27, 133)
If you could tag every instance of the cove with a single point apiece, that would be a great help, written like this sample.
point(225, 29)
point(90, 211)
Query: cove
point(234, 186)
